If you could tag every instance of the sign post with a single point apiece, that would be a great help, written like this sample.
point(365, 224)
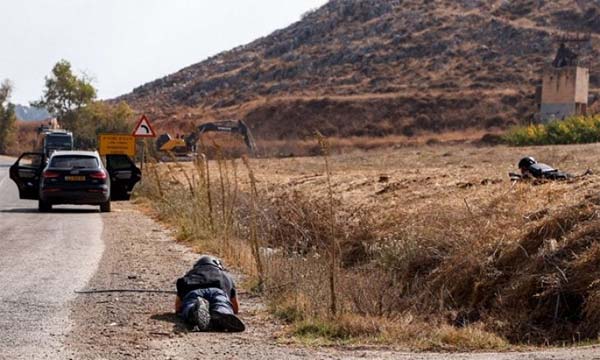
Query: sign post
point(143, 129)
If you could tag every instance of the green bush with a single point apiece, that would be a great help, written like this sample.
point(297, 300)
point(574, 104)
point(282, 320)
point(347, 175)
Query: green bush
point(98, 118)
point(574, 130)
point(7, 117)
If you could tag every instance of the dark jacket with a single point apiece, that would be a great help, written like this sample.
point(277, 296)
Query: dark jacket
point(543, 171)
point(204, 277)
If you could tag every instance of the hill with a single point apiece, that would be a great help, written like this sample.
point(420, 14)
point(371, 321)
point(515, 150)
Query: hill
point(30, 113)
point(380, 67)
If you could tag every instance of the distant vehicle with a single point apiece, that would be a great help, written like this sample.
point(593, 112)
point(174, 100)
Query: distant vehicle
point(74, 177)
point(55, 140)
point(181, 146)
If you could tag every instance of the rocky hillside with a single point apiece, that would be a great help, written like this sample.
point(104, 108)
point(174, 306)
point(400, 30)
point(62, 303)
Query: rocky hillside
point(379, 67)
point(30, 113)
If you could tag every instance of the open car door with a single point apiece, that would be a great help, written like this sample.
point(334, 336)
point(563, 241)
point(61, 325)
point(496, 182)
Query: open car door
point(123, 176)
point(26, 172)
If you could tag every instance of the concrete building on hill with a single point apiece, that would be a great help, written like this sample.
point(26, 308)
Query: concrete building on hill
point(565, 88)
point(565, 92)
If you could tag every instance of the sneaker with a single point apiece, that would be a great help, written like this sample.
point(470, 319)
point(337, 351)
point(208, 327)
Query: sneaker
point(200, 316)
point(227, 322)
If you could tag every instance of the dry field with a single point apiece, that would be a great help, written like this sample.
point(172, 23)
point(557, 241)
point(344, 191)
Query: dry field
point(409, 180)
point(434, 247)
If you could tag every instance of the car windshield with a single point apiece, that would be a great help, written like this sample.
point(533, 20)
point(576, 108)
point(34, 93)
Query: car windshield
point(71, 161)
point(62, 141)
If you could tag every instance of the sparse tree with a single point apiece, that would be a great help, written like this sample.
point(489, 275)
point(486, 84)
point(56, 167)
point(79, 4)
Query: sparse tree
point(72, 100)
point(66, 93)
point(7, 116)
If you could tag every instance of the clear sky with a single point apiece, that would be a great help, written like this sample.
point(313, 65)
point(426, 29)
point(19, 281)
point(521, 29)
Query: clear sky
point(124, 43)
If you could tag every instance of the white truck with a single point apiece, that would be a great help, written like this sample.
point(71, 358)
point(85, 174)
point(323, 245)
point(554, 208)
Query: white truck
point(55, 140)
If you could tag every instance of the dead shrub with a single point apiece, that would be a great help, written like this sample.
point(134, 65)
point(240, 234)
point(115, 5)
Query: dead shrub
point(546, 282)
point(301, 225)
point(371, 291)
point(472, 271)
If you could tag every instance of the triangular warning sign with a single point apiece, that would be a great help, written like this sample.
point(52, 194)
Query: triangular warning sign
point(143, 128)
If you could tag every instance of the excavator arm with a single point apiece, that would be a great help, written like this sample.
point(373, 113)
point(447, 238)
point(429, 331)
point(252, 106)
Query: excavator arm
point(182, 146)
point(230, 126)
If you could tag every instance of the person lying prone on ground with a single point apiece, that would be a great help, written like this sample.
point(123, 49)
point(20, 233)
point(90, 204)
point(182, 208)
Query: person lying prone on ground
point(530, 168)
point(207, 298)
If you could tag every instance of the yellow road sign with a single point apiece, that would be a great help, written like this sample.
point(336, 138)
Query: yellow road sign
point(116, 144)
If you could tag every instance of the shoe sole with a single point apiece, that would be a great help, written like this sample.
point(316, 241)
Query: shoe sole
point(228, 322)
point(201, 321)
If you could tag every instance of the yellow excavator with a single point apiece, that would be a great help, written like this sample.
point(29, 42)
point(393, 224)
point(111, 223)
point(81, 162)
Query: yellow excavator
point(184, 146)
point(168, 144)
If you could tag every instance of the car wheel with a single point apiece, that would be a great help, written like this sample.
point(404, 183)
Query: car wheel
point(44, 206)
point(105, 207)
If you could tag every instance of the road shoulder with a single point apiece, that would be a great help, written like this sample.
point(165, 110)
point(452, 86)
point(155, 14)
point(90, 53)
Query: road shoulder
point(141, 254)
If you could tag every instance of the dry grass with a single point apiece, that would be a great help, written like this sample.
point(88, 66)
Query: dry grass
point(337, 145)
point(202, 204)
point(404, 329)
point(433, 234)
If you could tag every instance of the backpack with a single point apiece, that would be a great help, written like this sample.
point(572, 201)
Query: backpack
point(204, 277)
point(544, 171)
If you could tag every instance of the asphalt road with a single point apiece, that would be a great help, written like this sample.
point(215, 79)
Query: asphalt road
point(44, 258)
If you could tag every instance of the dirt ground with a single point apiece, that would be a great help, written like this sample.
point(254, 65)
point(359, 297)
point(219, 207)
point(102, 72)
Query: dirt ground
point(141, 254)
point(413, 179)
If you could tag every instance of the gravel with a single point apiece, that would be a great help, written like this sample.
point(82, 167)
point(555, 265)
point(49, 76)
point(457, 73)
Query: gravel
point(141, 254)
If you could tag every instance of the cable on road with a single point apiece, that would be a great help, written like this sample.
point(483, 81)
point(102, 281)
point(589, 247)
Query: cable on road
point(106, 291)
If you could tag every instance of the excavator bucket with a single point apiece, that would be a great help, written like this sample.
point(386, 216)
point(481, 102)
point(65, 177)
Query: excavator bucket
point(173, 145)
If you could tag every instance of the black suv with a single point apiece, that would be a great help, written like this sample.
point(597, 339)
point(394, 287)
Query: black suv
point(74, 177)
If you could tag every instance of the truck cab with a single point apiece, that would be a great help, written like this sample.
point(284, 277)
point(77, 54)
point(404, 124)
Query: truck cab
point(56, 140)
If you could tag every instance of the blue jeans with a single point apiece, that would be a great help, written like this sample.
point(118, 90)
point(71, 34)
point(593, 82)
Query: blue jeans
point(219, 301)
